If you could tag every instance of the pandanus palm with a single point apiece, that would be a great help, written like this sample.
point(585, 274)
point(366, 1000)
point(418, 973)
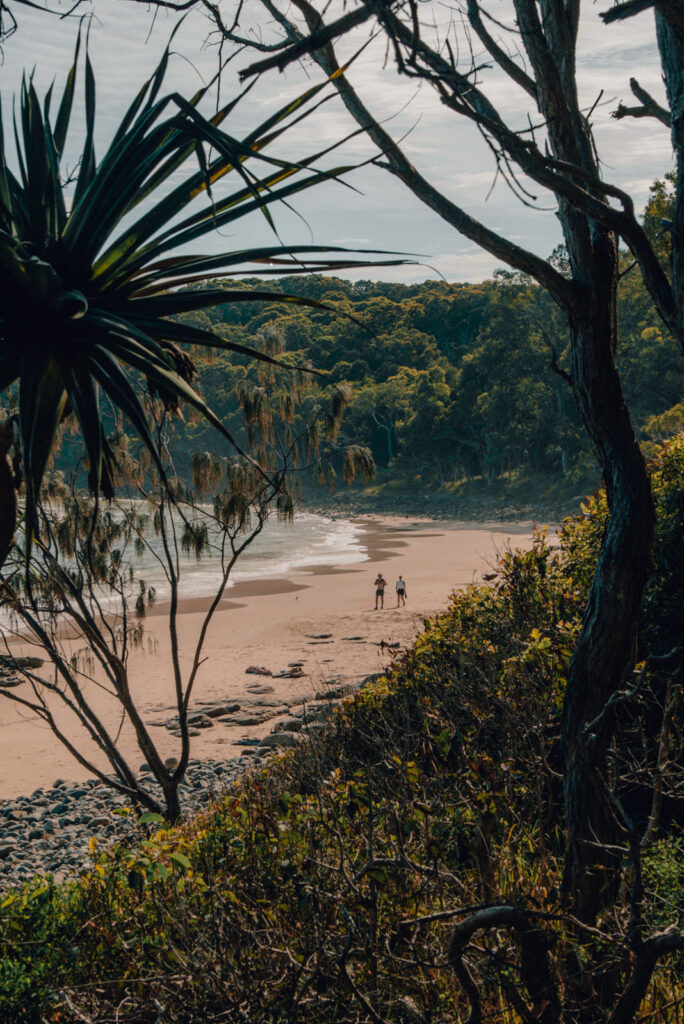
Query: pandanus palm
point(90, 272)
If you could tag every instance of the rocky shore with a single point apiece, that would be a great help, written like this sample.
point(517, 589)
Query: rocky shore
point(50, 831)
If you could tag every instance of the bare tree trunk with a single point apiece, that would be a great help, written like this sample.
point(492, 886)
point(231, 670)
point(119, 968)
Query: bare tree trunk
point(387, 428)
point(671, 47)
point(587, 298)
point(390, 453)
point(171, 801)
point(605, 649)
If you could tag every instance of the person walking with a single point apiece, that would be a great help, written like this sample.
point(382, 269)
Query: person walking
point(401, 591)
point(380, 584)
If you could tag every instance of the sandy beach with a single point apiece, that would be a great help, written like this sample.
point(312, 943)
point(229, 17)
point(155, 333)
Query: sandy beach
point(323, 617)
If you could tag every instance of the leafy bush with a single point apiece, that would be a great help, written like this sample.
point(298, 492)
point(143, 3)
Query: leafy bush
point(325, 887)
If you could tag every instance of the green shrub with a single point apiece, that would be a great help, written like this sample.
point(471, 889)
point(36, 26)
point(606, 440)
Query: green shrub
point(301, 895)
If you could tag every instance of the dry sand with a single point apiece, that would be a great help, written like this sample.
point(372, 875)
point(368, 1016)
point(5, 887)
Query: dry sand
point(272, 623)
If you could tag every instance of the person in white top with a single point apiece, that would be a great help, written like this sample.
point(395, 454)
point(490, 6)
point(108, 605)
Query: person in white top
point(401, 591)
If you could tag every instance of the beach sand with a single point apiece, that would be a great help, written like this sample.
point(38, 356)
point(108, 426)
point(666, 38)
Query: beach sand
point(272, 623)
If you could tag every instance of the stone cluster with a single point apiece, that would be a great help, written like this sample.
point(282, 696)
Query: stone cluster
point(9, 667)
point(50, 830)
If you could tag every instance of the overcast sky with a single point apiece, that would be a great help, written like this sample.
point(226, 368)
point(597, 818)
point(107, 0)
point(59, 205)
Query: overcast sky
point(126, 41)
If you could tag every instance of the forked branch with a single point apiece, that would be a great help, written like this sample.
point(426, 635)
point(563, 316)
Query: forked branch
point(651, 952)
point(535, 966)
point(648, 107)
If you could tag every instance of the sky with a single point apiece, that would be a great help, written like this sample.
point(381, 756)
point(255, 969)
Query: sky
point(126, 40)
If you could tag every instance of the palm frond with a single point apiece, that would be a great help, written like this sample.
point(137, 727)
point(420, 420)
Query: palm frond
point(84, 302)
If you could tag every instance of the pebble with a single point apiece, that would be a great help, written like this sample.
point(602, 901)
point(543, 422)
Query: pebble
point(50, 831)
point(293, 724)
point(280, 739)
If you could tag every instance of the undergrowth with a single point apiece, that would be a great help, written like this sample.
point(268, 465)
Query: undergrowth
point(326, 887)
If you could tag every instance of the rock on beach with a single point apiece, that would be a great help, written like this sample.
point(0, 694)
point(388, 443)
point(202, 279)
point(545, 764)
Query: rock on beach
point(50, 831)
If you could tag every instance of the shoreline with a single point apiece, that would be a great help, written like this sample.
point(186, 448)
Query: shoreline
point(321, 616)
point(380, 538)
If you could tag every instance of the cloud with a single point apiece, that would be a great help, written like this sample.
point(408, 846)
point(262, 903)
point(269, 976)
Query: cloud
point(126, 42)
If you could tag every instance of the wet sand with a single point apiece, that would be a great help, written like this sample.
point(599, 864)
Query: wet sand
point(271, 623)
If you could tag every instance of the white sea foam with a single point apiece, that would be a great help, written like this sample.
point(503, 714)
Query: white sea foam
point(281, 549)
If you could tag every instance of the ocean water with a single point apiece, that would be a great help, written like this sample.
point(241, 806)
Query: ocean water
point(281, 549)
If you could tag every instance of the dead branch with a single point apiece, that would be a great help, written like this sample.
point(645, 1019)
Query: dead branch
point(651, 952)
point(535, 965)
point(648, 106)
point(671, 10)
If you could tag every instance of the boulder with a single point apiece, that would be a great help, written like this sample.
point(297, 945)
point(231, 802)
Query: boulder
point(279, 739)
point(222, 709)
point(99, 822)
point(337, 692)
point(200, 721)
point(249, 720)
point(315, 727)
point(371, 678)
point(318, 713)
point(288, 725)
point(8, 662)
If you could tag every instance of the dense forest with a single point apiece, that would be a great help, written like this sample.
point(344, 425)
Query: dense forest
point(450, 384)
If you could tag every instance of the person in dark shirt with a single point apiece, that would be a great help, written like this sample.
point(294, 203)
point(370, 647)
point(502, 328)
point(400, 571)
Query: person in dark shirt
point(380, 584)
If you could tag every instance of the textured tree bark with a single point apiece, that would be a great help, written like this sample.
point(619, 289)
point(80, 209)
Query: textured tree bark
point(172, 803)
point(605, 650)
point(604, 654)
point(671, 46)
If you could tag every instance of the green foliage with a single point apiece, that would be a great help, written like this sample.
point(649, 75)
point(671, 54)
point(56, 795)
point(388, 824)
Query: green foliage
point(90, 280)
point(310, 891)
point(664, 877)
point(449, 383)
point(658, 216)
point(662, 616)
point(661, 623)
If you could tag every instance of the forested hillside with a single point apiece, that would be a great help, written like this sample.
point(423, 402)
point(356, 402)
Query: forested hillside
point(450, 383)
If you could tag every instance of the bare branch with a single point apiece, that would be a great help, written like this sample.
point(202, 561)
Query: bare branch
point(673, 699)
point(671, 10)
point(535, 965)
point(627, 10)
point(652, 950)
point(398, 164)
point(648, 108)
point(504, 61)
point(318, 38)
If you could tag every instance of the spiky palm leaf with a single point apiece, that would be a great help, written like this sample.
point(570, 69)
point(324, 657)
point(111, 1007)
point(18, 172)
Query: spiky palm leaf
point(87, 286)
